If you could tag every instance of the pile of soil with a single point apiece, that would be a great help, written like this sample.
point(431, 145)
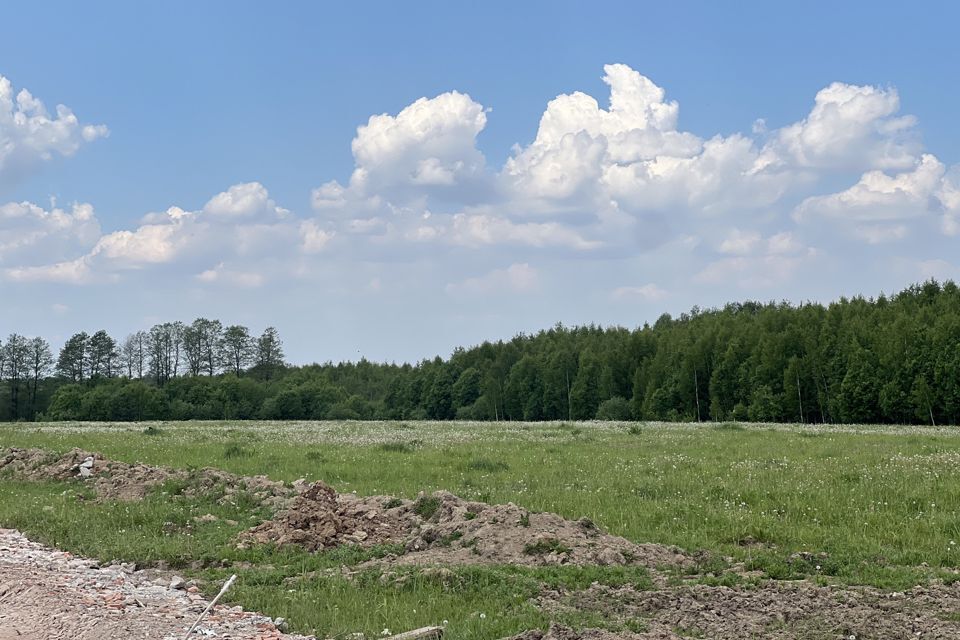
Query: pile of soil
point(776, 610)
point(320, 518)
point(464, 532)
point(113, 480)
point(442, 528)
point(438, 529)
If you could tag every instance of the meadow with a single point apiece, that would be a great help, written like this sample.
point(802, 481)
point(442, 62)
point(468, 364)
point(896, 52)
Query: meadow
point(857, 505)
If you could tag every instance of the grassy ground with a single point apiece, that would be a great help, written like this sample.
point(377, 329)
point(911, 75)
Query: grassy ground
point(881, 503)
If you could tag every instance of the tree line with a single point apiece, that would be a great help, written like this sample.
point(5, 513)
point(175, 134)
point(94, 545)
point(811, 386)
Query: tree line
point(889, 359)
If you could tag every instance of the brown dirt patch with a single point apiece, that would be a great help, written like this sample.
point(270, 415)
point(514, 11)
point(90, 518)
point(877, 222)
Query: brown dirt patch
point(442, 528)
point(320, 518)
point(775, 610)
point(113, 480)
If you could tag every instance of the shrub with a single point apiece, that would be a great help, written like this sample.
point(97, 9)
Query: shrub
point(615, 408)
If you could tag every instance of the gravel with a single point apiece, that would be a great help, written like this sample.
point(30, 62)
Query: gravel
point(47, 594)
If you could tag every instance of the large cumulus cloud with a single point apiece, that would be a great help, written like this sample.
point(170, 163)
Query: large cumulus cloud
point(30, 135)
point(602, 179)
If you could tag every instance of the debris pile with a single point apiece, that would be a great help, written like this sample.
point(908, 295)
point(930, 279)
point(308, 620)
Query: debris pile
point(113, 480)
point(441, 528)
point(320, 518)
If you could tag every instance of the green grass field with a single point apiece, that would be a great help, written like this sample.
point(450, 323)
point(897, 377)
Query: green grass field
point(882, 502)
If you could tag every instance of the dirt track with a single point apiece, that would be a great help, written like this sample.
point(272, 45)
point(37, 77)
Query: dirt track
point(47, 594)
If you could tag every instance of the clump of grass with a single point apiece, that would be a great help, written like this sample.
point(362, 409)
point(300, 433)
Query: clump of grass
point(486, 465)
point(543, 546)
point(401, 447)
point(426, 506)
point(730, 426)
point(636, 625)
point(393, 503)
point(524, 520)
point(152, 430)
point(634, 430)
point(447, 541)
point(315, 456)
point(235, 450)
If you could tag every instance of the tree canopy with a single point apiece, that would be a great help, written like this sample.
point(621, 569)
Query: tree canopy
point(890, 360)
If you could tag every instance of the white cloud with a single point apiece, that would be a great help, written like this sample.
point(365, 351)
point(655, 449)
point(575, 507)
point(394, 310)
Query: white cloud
point(611, 182)
point(783, 243)
point(740, 242)
point(879, 205)
point(517, 278)
point(314, 239)
point(30, 234)
point(479, 230)
point(241, 222)
point(220, 274)
point(149, 244)
point(878, 196)
point(605, 179)
point(756, 261)
point(648, 292)
point(66, 272)
point(30, 135)
point(849, 127)
point(247, 200)
point(428, 145)
point(949, 196)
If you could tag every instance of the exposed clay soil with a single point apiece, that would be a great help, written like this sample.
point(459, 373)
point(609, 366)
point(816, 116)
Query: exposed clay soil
point(320, 518)
point(442, 528)
point(775, 610)
point(113, 480)
point(47, 594)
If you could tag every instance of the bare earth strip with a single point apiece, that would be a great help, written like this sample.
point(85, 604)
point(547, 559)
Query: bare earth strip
point(47, 594)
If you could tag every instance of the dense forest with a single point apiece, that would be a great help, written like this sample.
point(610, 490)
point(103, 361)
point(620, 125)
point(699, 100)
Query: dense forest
point(885, 360)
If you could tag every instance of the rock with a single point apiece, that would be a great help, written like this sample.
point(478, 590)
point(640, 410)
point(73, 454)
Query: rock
point(610, 557)
point(178, 584)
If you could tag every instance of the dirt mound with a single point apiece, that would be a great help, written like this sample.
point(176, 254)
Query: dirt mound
point(442, 528)
point(320, 518)
point(113, 480)
point(776, 610)
point(463, 532)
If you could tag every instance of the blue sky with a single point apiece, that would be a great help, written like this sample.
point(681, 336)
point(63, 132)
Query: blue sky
point(464, 217)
